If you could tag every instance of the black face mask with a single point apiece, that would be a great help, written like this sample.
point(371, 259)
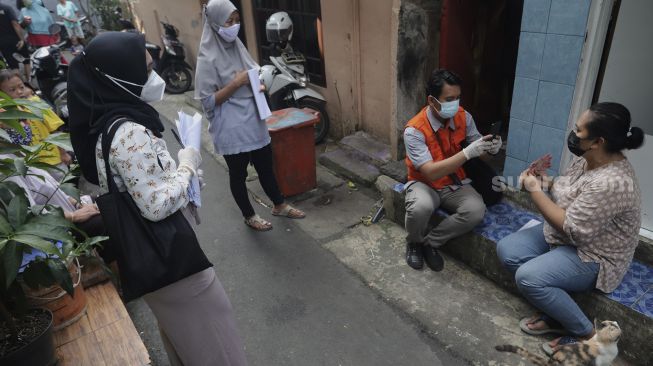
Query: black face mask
point(573, 143)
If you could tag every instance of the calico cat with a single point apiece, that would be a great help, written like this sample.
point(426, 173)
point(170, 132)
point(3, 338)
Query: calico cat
point(600, 350)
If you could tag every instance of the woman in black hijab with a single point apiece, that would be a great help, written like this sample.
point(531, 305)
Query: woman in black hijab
point(113, 79)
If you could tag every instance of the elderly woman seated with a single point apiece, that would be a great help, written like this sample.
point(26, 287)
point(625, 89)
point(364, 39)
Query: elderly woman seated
point(592, 216)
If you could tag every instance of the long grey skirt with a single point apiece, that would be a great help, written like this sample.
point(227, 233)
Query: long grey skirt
point(197, 323)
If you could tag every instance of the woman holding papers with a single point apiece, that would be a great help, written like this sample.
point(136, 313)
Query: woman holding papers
point(239, 133)
point(112, 83)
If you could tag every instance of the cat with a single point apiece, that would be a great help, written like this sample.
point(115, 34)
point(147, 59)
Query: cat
point(600, 350)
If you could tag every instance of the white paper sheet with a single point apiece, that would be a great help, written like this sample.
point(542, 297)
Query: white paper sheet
point(190, 132)
point(261, 103)
point(530, 224)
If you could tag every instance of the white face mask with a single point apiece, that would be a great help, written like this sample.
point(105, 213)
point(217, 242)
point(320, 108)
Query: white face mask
point(152, 90)
point(229, 34)
point(448, 109)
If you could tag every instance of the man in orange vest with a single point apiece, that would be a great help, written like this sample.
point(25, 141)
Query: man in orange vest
point(434, 157)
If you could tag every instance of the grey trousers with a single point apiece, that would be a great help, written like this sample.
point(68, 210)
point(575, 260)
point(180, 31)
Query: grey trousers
point(465, 206)
point(197, 323)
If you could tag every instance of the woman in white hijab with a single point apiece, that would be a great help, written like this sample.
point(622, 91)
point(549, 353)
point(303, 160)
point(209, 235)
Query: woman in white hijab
point(222, 84)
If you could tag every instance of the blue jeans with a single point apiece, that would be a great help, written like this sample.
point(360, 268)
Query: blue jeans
point(545, 277)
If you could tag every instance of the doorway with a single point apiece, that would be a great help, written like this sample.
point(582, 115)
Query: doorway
point(625, 77)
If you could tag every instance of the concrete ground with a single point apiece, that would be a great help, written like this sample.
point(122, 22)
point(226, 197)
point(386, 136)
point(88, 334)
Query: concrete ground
point(329, 290)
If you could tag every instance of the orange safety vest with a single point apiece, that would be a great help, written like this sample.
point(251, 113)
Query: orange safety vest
point(449, 139)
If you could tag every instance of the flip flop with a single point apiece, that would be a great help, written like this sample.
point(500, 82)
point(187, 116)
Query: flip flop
point(286, 212)
point(563, 341)
point(263, 225)
point(523, 325)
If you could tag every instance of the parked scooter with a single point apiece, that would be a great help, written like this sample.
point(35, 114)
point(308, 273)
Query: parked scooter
point(50, 75)
point(286, 80)
point(170, 64)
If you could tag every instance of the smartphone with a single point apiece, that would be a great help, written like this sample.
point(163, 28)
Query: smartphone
point(495, 129)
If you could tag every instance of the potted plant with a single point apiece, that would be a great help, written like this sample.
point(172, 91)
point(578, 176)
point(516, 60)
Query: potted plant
point(36, 243)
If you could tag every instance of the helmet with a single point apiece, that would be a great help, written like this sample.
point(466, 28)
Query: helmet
point(278, 28)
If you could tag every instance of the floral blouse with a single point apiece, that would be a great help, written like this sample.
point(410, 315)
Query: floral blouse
point(158, 189)
point(602, 217)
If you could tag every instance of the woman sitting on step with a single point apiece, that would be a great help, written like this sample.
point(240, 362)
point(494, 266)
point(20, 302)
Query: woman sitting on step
point(592, 216)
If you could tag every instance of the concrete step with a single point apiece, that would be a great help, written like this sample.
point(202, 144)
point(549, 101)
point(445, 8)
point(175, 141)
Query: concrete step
point(628, 304)
point(351, 165)
point(368, 148)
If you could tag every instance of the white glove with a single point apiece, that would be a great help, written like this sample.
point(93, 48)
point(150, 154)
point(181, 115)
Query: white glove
point(189, 158)
point(496, 146)
point(200, 177)
point(476, 148)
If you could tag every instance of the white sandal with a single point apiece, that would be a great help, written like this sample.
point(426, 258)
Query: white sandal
point(257, 223)
point(287, 212)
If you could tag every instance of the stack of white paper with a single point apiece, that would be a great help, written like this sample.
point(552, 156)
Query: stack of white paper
point(190, 132)
point(259, 96)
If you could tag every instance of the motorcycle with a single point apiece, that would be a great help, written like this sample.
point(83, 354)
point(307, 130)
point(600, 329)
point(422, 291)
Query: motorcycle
point(50, 75)
point(170, 64)
point(286, 80)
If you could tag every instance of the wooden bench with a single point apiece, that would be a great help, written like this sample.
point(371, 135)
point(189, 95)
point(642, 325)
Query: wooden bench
point(104, 336)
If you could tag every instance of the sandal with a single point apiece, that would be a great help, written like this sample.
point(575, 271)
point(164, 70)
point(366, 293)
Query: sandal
point(257, 223)
point(562, 342)
point(553, 326)
point(289, 212)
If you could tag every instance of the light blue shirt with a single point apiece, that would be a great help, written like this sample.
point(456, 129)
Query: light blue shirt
point(67, 11)
point(415, 141)
point(41, 18)
point(235, 125)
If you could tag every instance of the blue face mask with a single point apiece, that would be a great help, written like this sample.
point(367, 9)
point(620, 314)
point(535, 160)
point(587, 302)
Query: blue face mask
point(448, 109)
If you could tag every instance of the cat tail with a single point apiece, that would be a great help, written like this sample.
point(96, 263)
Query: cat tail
point(535, 359)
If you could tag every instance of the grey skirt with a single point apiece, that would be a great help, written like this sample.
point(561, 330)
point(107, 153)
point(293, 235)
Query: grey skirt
point(197, 323)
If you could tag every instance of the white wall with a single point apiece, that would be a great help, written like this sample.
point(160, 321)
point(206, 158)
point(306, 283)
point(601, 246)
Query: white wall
point(628, 80)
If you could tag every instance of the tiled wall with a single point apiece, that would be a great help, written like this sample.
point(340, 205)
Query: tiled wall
point(550, 45)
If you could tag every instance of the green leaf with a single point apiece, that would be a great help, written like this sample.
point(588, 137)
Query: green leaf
point(36, 242)
point(45, 232)
point(3, 242)
point(12, 258)
point(15, 114)
point(54, 218)
point(71, 190)
point(15, 124)
point(61, 275)
point(38, 274)
point(21, 168)
point(61, 140)
point(44, 166)
point(32, 104)
point(18, 210)
point(5, 227)
point(4, 135)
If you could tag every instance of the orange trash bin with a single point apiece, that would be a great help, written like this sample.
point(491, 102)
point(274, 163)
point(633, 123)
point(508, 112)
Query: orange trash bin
point(293, 145)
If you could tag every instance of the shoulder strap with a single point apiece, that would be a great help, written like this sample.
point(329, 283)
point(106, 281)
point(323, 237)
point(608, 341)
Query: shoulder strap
point(107, 138)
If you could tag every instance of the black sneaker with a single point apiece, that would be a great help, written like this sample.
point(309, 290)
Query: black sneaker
point(414, 256)
point(433, 258)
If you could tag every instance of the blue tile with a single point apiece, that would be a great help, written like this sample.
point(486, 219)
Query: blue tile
point(547, 140)
point(561, 58)
point(529, 57)
point(645, 304)
point(524, 96)
point(512, 169)
point(627, 293)
point(535, 15)
point(519, 138)
point(568, 17)
point(553, 104)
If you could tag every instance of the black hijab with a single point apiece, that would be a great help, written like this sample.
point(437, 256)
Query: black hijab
point(94, 100)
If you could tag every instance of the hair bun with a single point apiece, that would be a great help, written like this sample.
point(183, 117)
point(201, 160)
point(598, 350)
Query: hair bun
point(634, 138)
